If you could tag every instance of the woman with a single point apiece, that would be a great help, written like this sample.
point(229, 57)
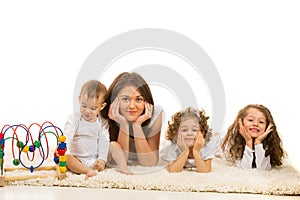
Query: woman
point(134, 122)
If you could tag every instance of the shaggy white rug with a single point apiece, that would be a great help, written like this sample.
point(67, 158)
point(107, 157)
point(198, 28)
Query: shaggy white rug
point(224, 178)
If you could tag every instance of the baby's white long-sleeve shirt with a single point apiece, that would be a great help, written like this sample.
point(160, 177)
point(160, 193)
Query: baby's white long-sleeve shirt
point(87, 140)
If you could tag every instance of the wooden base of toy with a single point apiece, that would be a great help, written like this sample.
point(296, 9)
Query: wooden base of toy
point(1, 181)
point(58, 174)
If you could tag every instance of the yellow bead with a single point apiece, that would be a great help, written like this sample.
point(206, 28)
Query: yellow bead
point(62, 138)
point(26, 149)
point(63, 169)
point(62, 158)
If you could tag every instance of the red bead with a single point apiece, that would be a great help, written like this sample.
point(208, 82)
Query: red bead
point(61, 151)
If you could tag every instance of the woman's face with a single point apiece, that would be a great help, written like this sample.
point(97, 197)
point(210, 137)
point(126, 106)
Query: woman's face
point(189, 130)
point(132, 103)
point(255, 122)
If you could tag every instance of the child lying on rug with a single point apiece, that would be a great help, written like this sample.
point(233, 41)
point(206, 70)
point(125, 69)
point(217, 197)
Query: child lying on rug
point(87, 133)
point(252, 141)
point(189, 133)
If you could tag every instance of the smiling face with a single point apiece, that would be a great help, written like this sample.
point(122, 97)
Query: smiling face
point(132, 103)
point(255, 122)
point(189, 129)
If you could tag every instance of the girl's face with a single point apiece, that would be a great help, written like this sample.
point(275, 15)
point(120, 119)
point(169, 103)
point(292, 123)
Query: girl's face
point(189, 130)
point(255, 122)
point(132, 103)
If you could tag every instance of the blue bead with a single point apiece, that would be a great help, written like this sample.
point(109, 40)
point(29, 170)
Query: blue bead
point(62, 145)
point(56, 160)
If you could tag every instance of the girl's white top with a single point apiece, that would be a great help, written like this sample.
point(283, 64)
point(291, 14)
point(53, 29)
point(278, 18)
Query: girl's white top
point(262, 162)
point(172, 151)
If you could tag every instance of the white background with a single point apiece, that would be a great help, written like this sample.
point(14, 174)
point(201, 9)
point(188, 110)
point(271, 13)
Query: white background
point(254, 45)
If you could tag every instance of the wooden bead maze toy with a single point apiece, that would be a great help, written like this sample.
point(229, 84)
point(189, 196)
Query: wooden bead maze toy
point(30, 148)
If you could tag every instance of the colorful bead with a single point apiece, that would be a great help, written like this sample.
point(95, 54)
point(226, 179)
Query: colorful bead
point(63, 169)
point(61, 151)
point(56, 160)
point(20, 144)
point(16, 162)
point(62, 145)
point(37, 144)
point(31, 148)
point(26, 149)
point(62, 164)
point(62, 138)
point(62, 158)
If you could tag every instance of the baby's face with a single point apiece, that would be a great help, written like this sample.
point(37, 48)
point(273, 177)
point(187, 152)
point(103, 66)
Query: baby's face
point(90, 107)
point(189, 130)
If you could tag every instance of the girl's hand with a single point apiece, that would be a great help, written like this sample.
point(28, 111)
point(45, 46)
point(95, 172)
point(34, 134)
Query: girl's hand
point(260, 138)
point(199, 143)
point(114, 112)
point(147, 114)
point(181, 143)
point(245, 134)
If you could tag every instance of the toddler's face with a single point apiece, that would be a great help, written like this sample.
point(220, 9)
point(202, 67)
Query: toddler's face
point(189, 130)
point(132, 103)
point(90, 107)
point(255, 122)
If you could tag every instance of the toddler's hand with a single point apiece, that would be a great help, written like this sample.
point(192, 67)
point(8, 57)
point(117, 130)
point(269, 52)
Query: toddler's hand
point(181, 143)
point(199, 142)
point(99, 165)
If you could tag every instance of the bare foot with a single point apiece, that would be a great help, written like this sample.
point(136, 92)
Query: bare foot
point(125, 171)
point(90, 173)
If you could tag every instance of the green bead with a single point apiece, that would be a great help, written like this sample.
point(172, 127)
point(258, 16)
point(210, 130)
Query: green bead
point(62, 163)
point(37, 144)
point(16, 162)
point(20, 144)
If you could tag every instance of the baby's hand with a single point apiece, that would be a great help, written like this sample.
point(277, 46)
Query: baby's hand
point(99, 165)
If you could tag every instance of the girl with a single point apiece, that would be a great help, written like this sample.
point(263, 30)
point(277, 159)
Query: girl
point(134, 122)
point(252, 141)
point(188, 131)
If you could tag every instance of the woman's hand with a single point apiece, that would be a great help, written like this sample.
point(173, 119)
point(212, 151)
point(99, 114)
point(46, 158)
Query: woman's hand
point(260, 138)
point(199, 143)
point(114, 112)
point(147, 114)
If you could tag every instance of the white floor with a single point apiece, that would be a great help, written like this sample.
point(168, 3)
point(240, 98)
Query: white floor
point(65, 193)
